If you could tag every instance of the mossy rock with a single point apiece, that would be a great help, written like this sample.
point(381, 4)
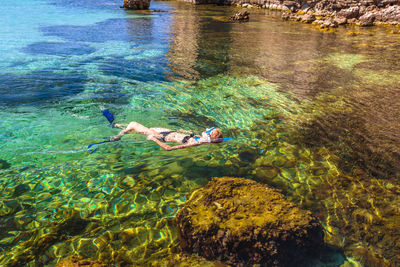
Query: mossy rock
point(75, 261)
point(187, 260)
point(240, 221)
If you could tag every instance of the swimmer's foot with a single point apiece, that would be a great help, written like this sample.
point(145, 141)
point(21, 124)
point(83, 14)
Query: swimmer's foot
point(115, 138)
point(117, 125)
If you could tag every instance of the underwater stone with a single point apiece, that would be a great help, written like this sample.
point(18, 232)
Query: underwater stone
point(184, 259)
point(36, 246)
point(241, 16)
point(4, 164)
point(240, 221)
point(20, 189)
point(127, 182)
point(248, 155)
point(71, 226)
point(136, 4)
point(75, 261)
point(8, 207)
point(85, 247)
point(267, 172)
point(280, 161)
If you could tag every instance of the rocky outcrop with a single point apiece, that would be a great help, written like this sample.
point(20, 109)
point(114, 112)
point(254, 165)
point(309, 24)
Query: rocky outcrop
point(333, 13)
point(363, 13)
point(136, 4)
point(240, 221)
point(187, 260)
point(241, 16)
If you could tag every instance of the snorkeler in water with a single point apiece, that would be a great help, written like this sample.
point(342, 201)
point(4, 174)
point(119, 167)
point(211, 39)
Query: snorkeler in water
point(162, 135)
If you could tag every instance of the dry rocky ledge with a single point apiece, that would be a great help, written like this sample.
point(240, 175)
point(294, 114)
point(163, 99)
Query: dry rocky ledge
point(327, 13)
point(331, 13)
point(240, 221)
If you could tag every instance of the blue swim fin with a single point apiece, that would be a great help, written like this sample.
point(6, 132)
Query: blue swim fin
point(110, 117)
point(89, 146)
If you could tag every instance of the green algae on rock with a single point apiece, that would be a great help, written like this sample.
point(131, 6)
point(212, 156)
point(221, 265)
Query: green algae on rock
point(74, 225)
point(187, 260)
point(241, 221)
point(75, 261)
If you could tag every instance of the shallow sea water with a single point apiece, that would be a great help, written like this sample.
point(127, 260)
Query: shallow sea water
point(315, 114)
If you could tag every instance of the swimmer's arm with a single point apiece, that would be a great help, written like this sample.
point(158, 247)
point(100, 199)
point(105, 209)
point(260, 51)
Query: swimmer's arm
point(118, 137)
point(169, 148)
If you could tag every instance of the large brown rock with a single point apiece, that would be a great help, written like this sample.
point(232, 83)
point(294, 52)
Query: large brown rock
point(242, 15)
point(349, 13)
point(389, 14)
point(366, 19)
point(308, 18)
point(240, 221)
point(136, 4)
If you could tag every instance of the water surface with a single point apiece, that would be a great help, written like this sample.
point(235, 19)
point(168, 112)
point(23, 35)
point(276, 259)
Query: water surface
point(315, 114)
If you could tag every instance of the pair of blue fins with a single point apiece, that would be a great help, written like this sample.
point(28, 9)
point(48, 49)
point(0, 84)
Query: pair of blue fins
point(110, 117)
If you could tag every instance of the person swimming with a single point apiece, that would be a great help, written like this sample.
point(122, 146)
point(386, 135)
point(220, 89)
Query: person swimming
point(162, 135)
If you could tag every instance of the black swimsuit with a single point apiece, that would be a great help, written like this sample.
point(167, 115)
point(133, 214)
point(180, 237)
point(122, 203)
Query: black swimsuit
point(164, 134)
point(184, 139)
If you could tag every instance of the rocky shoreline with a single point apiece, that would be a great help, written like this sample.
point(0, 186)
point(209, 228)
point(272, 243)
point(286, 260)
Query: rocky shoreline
point(326, 13)
point(332, 15)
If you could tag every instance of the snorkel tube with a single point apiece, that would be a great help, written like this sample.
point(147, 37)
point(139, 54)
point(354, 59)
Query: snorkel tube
point(221, 139)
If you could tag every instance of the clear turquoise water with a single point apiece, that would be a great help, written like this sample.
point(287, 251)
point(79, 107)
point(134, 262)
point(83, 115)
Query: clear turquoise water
point(312, 113)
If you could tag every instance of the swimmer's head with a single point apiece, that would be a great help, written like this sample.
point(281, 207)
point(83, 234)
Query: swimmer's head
point(214, 134)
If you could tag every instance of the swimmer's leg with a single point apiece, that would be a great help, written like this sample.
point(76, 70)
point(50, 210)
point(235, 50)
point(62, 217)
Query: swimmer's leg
point(135, 127)
point(121, 126)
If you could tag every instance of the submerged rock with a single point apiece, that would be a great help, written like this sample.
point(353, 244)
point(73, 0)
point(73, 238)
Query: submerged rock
point(4, 164)
point(186, 260)
point(329, 23)
point(20, 189)
point(32, 248)
point(240, 221)
point(308, 18)
point(340, 20)
point(285, 16)
point(241, 16)
point(136, 4)
point(75, 261)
